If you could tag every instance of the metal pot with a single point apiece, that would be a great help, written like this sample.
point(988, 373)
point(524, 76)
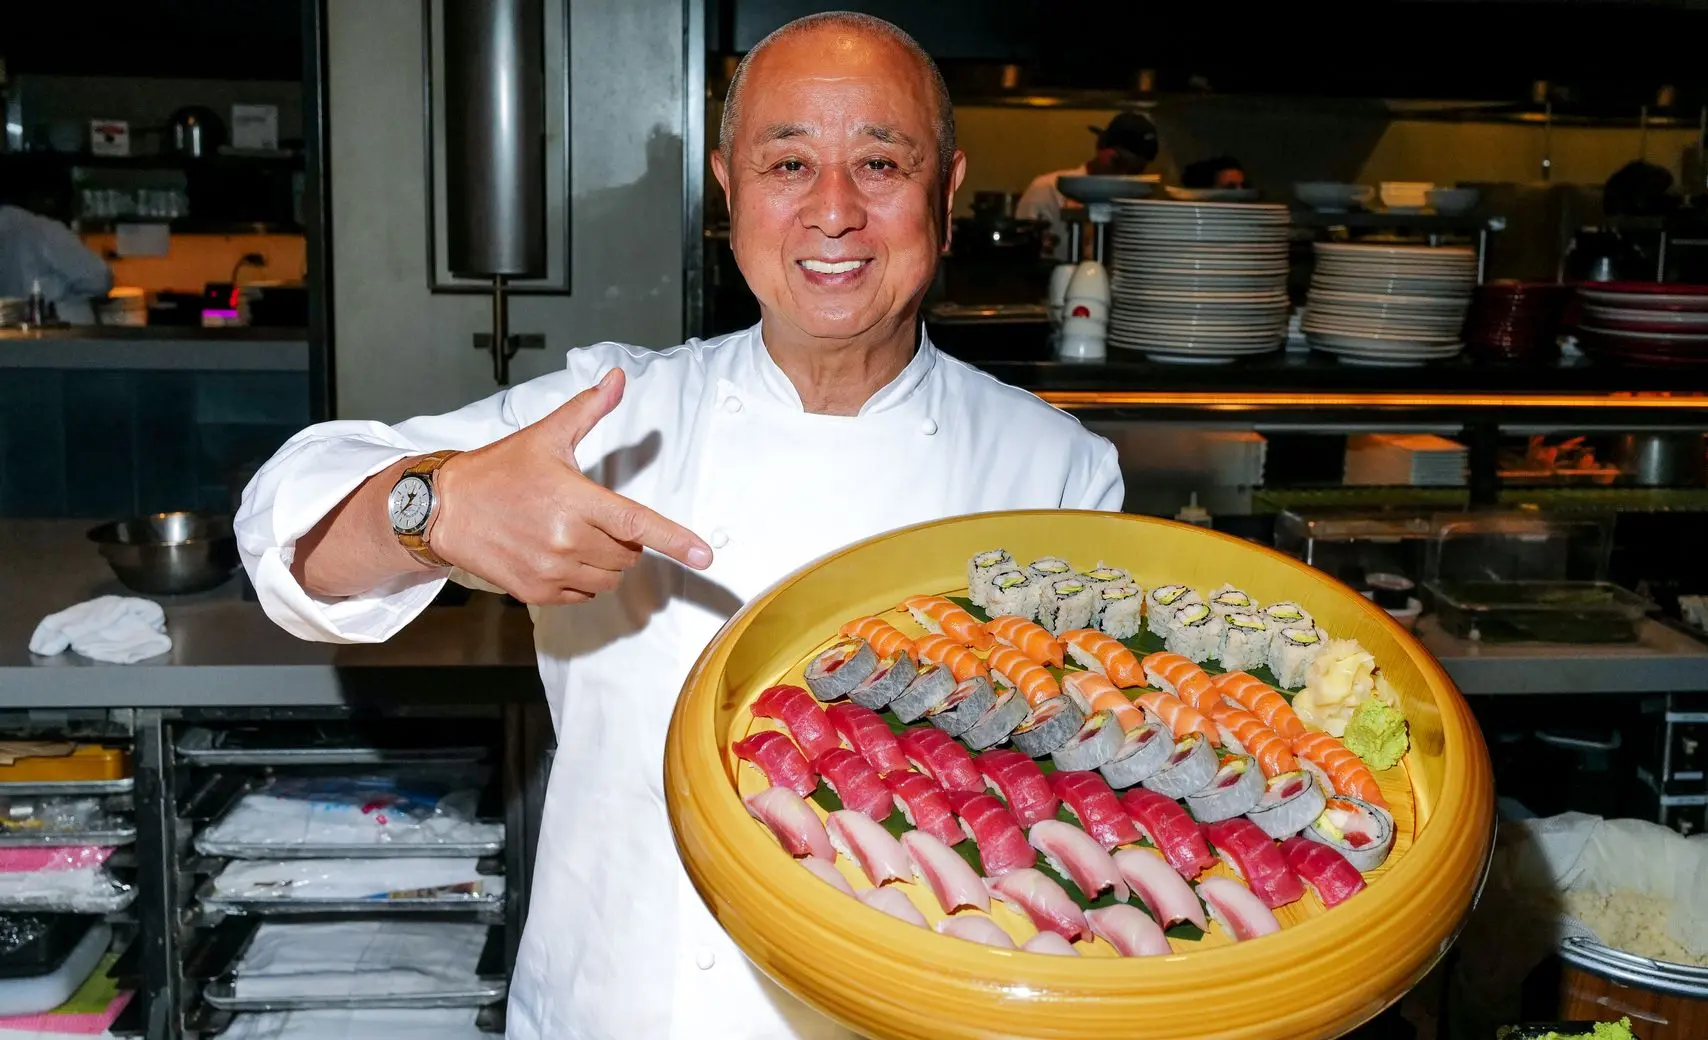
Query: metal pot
point(169, 554)
point(1661, 459)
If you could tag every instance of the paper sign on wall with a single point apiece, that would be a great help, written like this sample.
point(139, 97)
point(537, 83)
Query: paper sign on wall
point(255, 126)
point(109, 137)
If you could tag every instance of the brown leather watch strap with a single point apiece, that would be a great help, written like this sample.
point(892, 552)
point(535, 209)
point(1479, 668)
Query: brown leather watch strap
point(424, 468)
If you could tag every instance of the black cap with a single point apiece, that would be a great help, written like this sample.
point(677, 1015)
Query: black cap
point(1131, 132)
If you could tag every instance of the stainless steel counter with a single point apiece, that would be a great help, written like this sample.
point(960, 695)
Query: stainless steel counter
point(154, 348)
point(1663, 660)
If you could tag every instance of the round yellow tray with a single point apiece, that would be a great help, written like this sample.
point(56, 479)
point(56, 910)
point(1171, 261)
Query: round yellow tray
point(1323, 974)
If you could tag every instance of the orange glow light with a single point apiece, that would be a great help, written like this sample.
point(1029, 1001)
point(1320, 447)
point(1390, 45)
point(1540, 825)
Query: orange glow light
point(1244, 401)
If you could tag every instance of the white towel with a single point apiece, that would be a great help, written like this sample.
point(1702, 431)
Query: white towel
point(115, 629)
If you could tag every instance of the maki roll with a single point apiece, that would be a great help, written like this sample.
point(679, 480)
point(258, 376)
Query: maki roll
point(1289, 804)
point(1189, 770)
point(956, 712)
point(1165, 602)
point(1287, 614)
point(994, 726)
point(1291, 652)
point(1096, 743)
point(1227, 600)
point(1103, 574)
point(1358, 830)
point(933, 683)
point(893, 675)
point(1145, 750)
point(1014, 593)
point(835, 673)
point(981, 569)
point(1236, 790)
point(1067, 603)
point(1049, 568)
point(1120, 609)
point(1245, 641)
point(1049, 726)
point(1196, 633)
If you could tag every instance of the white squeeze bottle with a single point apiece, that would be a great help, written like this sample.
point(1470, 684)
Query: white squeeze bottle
point(1193, 513)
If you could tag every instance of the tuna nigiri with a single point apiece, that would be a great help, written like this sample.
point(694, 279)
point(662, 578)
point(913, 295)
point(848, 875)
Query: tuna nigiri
point(1051, 943)
point(1345, 770)
point(1088, 796)
point(975, 928)
point(1246, 732)
point(825, 872)
point(779, 759)
point(1250, 853)
point(1233, 906)
point(794, 823)
point(1129, 930)
point(1324, 870)
point(940, 614)
point(885, 638)
point(1094, 693)
point(1159, 887)
point(1259, 698)
point(1179, 676)
point(854, 783)
point(1167, 826)
point(1001, 844)
point(892, 901)
point(867, 733)
point(924, 805)
point(1075, 855)
point(1020, 782)
point(878, 854)
point(943, 871)
point(1016, 671)
point(940, 757)
point(1105, 654)
point(1181, 718)
point(962, 663)
point(1028, 637)
point(798, 710)
point(1048, 905)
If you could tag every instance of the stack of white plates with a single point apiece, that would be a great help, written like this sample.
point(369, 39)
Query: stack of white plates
point(1387, 304)
point(1414, 460)
point(1198, 282)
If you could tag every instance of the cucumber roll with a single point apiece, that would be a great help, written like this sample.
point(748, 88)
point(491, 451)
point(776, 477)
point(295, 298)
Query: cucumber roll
point(886, 683)
point(1290, 802)
point(933, 683)
point(835, 673)
point(1103, 574)
point(1015, 593)
point(1067, 604)
point(1291, 652)
point(1143, 751)
point(1050, 725)
point(1196, 633)
point(1245, 641)
point(1098, 739)
point(1227, 600)
point(994, 726)
point(956, 712)
point(1235, 790)
point(1120, 609)
point(1188, 771)
point(981, 569)
point(1358, 830)
point(1164, 604)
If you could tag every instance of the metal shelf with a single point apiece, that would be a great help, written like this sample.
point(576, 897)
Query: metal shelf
point(390, 850)
point(486, 904)
point(222, 995)
point(69, 787)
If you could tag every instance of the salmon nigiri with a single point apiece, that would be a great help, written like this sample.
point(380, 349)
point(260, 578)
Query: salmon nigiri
point(1095, 693)
point(1259, 698)
point(1258, 740)
point(1015, 670)
point(1346, 771)
point(940, 615)
point(1180, 717)
point(1028, 637)
point(1101, 653)
point(962, 663)
point(1179, 676)
point(885, 638)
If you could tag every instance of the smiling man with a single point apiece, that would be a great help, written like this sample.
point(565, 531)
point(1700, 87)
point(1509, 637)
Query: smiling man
point(832, 420)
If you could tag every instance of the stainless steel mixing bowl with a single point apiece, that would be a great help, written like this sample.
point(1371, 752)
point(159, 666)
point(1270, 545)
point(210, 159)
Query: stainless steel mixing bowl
point(169, 554)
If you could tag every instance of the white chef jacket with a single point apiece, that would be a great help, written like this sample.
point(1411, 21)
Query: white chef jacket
point(618, 946)
point(1043, 200)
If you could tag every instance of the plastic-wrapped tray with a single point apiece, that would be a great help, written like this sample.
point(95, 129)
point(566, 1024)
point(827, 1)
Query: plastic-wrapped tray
point(488, 897)
point(265, 850)
point(123, 785)
point(221, 994)
point(206, 747)
point(118, 834)
point(36, 944)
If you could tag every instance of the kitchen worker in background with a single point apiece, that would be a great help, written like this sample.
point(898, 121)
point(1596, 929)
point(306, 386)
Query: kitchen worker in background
point(38, 250)
point(1126, 146)
point(1223, 171)
point(734, 460)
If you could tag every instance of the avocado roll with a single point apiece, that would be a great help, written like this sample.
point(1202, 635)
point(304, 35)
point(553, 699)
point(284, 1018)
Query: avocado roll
point(1120, 609)
point(1050, 725)
point(886, 682)
point(1098, 739)
point(1163, 603)
point(1291, 652)
point(835, 673)
point(1103, 574)
point(1013, 592)
point(1067, 603)
point(1287, 614)
point(1049, 568)
point(981, 569)
point(1227, 600)
point(1245, 641)
point(1196, 633)
point(933, 683)
point(962, 706)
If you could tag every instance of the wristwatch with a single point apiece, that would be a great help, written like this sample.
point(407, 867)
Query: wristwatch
point(412, 505)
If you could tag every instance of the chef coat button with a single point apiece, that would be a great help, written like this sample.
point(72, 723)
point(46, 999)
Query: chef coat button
point(928, 427)
point(732, 405)
point(704, 958)
point(720, 538)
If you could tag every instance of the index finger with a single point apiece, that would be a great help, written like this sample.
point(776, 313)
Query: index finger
point(628, 521)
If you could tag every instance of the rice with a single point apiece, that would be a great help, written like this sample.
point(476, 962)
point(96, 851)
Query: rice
point(1014, 592)
point(1196, 633)
point(1120, 609)
point(1067, 604)
point(1163, 603)
point(1245, 641)
point(981, 569)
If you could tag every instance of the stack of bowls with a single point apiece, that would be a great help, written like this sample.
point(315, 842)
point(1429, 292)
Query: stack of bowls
point(1517, 321)
point(1389, 304)
point(1198, 282)
point(1644, 323)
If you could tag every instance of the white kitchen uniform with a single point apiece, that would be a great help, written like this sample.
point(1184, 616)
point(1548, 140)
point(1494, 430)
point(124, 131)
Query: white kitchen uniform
point(712, 434)
point(1043, 200)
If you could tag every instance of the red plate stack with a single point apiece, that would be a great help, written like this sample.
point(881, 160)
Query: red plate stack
point(1516, 321)
point(1645, 323)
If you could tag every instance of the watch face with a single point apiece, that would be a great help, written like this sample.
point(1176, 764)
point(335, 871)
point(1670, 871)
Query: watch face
point(410, 501)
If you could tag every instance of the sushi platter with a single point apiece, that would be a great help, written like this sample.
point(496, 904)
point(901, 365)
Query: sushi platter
point(1076, 759)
